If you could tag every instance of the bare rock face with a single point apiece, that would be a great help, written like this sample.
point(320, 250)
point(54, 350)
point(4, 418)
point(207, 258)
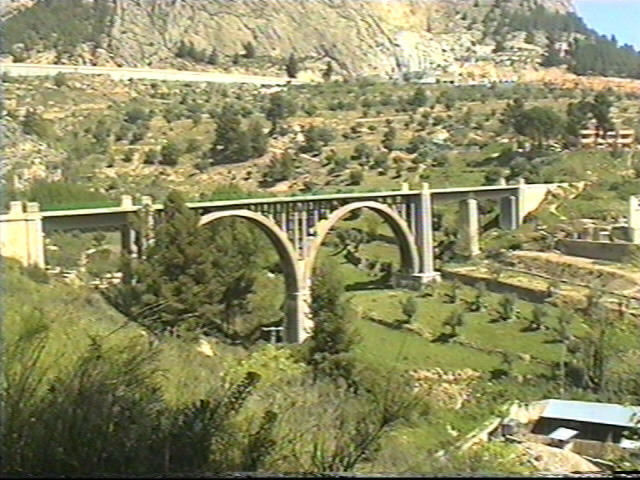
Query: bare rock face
point(372, 36)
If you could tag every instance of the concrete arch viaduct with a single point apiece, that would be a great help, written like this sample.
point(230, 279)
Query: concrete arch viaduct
point(296, 226)
point(298, 266)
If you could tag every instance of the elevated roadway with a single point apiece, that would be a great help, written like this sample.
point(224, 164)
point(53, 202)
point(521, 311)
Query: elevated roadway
point(127, 73)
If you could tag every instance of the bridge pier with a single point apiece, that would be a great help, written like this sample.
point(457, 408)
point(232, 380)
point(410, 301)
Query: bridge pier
point(144, 231)
point(298, 318)
point(423, 221)
point(128, 240)
point(634, 219)
point(469, 228)
point(21, 235)
point(509, 213)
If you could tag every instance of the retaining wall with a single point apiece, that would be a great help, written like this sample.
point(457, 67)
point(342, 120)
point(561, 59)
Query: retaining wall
point(496, 286)
point(610, 251)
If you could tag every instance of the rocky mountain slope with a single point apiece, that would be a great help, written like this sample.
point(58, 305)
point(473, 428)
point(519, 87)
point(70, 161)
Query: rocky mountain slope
point(360, 36)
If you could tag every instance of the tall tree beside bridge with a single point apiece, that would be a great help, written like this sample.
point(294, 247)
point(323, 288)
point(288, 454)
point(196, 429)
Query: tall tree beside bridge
point(332, 340)
point(201, 280)
point(174, 288)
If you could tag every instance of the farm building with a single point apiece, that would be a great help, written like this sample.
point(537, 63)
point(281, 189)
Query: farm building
point(593, 421)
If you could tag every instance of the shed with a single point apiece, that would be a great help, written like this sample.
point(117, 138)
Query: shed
point(592, 420)
point(561, 437)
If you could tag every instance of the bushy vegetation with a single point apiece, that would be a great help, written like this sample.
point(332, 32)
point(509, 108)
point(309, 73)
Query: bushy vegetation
point(58, 24)
point(178, 379)
point(603, 56)
point(590, 53)
point(200, 280)
point(254, 404)
point(59, 195)
point(88, 392)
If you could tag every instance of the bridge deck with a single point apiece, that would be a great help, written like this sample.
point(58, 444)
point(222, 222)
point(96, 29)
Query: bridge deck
point(442, 194)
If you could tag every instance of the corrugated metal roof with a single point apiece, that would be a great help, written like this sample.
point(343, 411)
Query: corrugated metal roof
point(563, 434)
point(593, 412)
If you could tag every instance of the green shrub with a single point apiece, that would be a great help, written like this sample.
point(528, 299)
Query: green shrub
point(35, 273)
point(356, 176)
point(59, 194)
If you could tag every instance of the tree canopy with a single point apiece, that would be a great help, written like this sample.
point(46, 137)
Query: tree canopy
point(196, 279)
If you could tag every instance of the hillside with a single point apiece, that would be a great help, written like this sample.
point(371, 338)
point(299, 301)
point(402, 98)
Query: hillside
point(446, 135)
point(473, 39)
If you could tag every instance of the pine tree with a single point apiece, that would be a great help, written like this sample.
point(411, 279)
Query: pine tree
point(231, 144)
point(530, 37)
point(600, 109)
point(552, 57)
point(170, 154)
point(508, 310)
point(214, 57)
point(409, 309)
point(257, 139)
point(389, 138)
point(332, 340)
point(292, 66)
point(578, 114)
point(242, 149)
point(174, 288)
point(328, 72)
point(479, 303)
point(419, 98)
point(538, 124)
point(192, 51)
point(454, 321)
point(183, 50)
point(249, 50)
point(280, 107)
point(199, 279)
point(500, 45)
point(536, 320)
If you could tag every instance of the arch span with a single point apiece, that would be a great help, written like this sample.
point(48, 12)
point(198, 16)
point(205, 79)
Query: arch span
point(294, 314)
point(408, 251)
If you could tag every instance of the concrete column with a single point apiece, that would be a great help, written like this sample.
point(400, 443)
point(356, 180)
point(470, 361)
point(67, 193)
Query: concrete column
point(588, 232)
point(411, 218)
point(509, 213)
point(423, 222)
point(146, 236)
point(21, 234)
point(126, 201)
point(296, 229)
point(299, 323)
point(35, 235)
point(283, 218)
point(522, 199)
point(127, 240)
point(315, 215)
point(469, 227)
point(304, 231)
point(634, 219)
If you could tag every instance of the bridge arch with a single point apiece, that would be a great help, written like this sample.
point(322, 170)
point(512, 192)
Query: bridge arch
point(288, 261)
point(409, 256)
